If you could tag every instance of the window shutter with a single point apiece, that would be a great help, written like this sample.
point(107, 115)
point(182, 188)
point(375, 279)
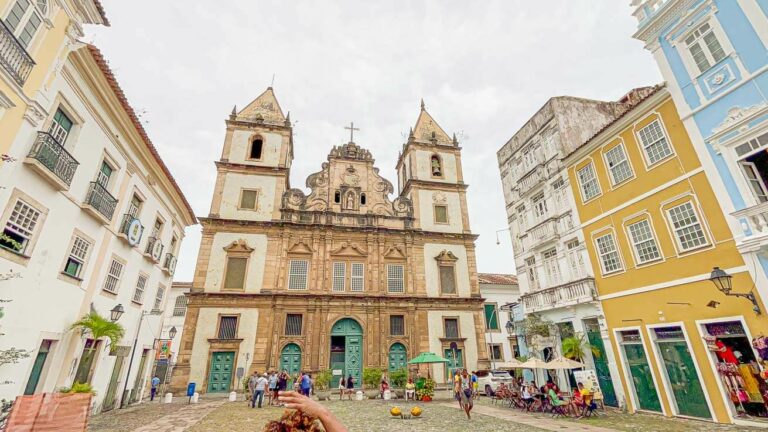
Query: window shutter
point(235, 277)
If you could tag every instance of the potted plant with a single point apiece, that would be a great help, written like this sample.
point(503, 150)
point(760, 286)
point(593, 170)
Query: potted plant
point(322, 381)
point(371, 381)
point(397, 380)
point(427, 392)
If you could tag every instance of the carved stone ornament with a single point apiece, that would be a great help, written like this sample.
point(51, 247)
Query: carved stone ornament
point(34, 115)
point(350, 177)
point(446, 256)
point(439, 198)
point(736, 115)
point(394, 252)
point(300, 247)
point(238, 246)
point(351, 151)
point(349, 249)
point(294, 199)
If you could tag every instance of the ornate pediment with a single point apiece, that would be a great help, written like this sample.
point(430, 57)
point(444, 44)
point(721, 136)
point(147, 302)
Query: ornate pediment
point(352, 151)
point(349, 249)
point(446, 256)
point(300, 247)
point(395, 252)
point(238, 246)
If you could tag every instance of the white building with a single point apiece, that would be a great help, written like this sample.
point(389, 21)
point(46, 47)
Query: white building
point(173, 325)
point(499, 290)
point(92, 219)
point(555, 276)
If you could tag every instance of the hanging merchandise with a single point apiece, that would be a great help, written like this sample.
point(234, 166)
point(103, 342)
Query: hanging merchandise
point(760, 344)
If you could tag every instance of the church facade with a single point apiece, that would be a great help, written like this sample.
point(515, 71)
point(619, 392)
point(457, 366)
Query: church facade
point(341, 276)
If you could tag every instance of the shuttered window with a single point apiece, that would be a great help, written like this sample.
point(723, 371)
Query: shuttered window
point(395, 278)
point(227, 327)
point(141, 284)
point(180, 306)
point(339, 275)
point(235, 277)
point(396, 325)
point(447, 279)
point(358, 277)
point(159, 297)
point(248, 199)
point(491, 316)
point(113, 276)
point(293, 325)
point(451, 328)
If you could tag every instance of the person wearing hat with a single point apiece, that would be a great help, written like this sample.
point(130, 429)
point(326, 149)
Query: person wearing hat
point(259, 388)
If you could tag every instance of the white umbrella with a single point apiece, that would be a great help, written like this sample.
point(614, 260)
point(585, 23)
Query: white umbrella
point(534, 363)
point(564, 363)
point(512, 364)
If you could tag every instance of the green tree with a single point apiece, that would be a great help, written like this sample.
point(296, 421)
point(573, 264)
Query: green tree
point(575, 347)
point(372, 377)
point(99, 327)
point(322, 379)
point(398, 378)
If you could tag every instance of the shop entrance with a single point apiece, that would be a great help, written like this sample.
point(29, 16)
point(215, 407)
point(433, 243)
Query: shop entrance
point(680, 370)
point(732, 353)
point(639, 370)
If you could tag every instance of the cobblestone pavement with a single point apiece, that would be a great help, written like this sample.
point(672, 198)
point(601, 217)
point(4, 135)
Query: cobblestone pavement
point(128, 419)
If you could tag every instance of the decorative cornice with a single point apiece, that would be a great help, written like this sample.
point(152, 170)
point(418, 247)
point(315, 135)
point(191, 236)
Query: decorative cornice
point(662, 19)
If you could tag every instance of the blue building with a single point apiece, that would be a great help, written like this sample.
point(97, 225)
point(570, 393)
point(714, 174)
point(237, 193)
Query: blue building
point(713, 55)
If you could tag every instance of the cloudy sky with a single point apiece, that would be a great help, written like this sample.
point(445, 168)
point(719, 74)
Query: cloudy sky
point(483, 68)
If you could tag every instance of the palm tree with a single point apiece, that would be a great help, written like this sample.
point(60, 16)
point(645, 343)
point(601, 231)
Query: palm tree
point(573, 348)
point(99, 327)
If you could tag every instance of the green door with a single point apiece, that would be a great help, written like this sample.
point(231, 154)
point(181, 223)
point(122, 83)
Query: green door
point(454, 363)
point(683, 379)
point(138, 383)
point(109, 398)
point(353, 351)
point(37, 367)
point(220, 375)
point(601, 368)
point(642, 378)
point(290, 359)
point(397, 357)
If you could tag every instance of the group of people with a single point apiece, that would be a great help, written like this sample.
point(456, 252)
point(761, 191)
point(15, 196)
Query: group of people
point(270, 383)
point(548, 397)
point(346, 386)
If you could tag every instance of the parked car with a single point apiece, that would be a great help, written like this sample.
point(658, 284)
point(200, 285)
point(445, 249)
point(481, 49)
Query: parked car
point(489, 380)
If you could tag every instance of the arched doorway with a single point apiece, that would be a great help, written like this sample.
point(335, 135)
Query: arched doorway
point(346, 350)
point(290, 359)
point(398, 356)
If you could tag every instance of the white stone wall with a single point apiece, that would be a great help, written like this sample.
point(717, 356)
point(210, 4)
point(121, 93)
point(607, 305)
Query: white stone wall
point(466, 330)
point(241, 146)
point(234, 183)
point(423, 169)
point(426, 211)
point(431, 274)
point(254, 276)
point(500, 295)
point(207, 322)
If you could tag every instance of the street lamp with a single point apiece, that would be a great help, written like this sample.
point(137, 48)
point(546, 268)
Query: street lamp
point(116, 312)
point(172, 332)
point(723, 282)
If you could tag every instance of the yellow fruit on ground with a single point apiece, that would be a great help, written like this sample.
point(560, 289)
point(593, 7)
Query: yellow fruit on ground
point(415, 411)
point(395, 411)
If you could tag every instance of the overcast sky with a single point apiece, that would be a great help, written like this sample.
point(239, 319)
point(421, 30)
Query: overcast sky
point(483, 68)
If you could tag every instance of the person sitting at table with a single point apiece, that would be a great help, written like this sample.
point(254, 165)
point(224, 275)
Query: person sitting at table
point(551, 385)
point(526, 396)
point(383, 387)
point(559, 406)
point(588, 403)
point(410, 390)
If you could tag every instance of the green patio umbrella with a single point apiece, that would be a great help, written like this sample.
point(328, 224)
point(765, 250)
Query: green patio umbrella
point(428, 357)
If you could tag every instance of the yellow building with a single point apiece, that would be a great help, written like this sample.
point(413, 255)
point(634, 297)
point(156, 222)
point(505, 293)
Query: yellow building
point(35, 38)
point(654, 231)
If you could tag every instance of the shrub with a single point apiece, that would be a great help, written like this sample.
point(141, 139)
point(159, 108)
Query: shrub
point(78, 388)
point(372, 377)
point(398, 377)
point(322, 379)
point(427, 390)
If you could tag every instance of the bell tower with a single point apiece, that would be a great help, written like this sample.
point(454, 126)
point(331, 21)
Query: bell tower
point(429, 173)
point(255, 163)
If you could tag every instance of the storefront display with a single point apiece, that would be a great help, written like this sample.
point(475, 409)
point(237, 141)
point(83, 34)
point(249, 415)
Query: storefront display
point(741, 372)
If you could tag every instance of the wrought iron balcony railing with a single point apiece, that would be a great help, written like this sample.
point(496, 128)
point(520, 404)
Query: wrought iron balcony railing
point(13, 57)
point(170, 263)
point(101, 200)
point(54, 156)
point(154, 249)
point(131, 228)
point(568, 294)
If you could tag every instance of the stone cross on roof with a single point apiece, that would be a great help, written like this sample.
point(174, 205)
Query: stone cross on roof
point(352, 130)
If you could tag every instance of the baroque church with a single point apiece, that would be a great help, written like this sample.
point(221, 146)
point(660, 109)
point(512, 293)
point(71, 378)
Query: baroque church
point(338, 276)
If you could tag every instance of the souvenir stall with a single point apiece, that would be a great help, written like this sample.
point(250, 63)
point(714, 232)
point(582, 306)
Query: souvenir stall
point(743, 374)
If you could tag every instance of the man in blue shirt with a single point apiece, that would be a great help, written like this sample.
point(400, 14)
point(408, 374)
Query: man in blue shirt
point(155, 385)
point(306, 384)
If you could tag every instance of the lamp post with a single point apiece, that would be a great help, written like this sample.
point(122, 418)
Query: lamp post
point(116, 313)
point(133, 352)
point(723, 282)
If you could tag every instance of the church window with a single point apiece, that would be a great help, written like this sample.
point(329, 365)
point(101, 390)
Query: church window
point(337, 197)
point(248, 199)
point(235, 273)
point(395, 278)
point(447, 279)
point(257, 145)
point(362, 199)
point(396, 325)
point(227, 327)
point(451, 328)
point(441, 214)
point(339, 276)
point(297, 274)
point(293, 324)
point(436, 166)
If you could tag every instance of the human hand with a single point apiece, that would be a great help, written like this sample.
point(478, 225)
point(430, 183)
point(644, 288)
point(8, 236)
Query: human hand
point(298, 401)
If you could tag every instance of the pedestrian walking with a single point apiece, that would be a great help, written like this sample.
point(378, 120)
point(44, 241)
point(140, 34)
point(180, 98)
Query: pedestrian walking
point(273, 388)
point(306, 384)
point(282, 384)
point(252, 380)
point(259, 388)
point(153, 390)
point(342, 386)
point(466, 393)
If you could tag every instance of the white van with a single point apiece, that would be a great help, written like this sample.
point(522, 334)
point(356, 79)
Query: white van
point(489, 380)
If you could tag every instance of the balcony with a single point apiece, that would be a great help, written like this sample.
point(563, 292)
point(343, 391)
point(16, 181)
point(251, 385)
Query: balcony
point(13, 57)
point(170, 263)
point(572, 293)
point(531, 180)
point(100, 203)
point(754, 222)
point(131, 229)
point(544, 232)
point(52, 161)
point(154, 249)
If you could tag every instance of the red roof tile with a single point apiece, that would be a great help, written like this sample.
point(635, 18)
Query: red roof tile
point(102, 63)
point(497, 279)
point(103, 14)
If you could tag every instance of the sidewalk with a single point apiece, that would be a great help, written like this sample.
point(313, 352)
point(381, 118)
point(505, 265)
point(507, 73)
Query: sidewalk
point(181, 419)
point(531, 419)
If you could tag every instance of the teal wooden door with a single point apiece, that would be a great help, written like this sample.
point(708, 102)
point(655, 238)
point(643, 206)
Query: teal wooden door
point(220, 375)
point(640, 370)
point(353, 347)
point(109, 398)
point(454, 363)
point(600, 359)
point(681, 373)
point(290, 359)
point(397, 357)
point(37, 367)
